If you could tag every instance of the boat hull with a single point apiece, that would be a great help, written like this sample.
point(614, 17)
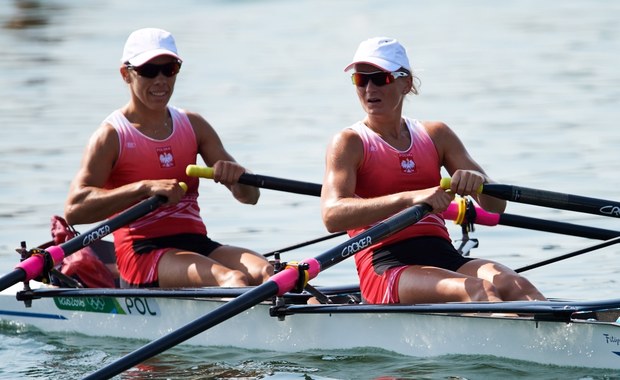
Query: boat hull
point(580, 343)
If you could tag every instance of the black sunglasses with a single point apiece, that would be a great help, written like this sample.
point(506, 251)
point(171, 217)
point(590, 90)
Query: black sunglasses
point(378, 78)
point(151, 70)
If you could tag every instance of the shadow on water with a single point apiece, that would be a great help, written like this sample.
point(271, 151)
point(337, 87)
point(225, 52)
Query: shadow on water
point(29, 14)
point(29, 29)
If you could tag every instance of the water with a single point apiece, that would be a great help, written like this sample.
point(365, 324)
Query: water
point(531, 87)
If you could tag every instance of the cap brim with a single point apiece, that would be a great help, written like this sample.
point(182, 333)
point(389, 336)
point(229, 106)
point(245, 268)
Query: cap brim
point(143, 58)
point(379, 63)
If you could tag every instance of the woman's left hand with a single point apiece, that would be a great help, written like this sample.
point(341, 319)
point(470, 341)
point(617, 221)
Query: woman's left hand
point(467, 182)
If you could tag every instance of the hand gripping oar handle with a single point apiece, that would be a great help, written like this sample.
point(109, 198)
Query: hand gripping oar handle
point(33, 266)
point(262, 181)
point(549, 199)
point(279, 284)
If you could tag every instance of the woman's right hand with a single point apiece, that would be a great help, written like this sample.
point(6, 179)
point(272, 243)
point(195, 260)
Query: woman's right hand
point(168, 188)
point(436, 197)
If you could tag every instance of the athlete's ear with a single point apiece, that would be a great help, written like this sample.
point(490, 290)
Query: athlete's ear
point(409, 86)
point(125, 74)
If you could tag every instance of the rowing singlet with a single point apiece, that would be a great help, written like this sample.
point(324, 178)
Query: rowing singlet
point(386, 170)
point(141, 157)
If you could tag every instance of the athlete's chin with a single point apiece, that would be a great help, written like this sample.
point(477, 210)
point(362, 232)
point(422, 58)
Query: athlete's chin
point(375, 110)
point(159, 102)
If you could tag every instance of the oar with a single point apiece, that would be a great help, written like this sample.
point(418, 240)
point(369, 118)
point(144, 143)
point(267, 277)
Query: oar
point(263, 181)
point(546, 198)
point(591, 248)
point(482, 217)
point(278, 284)
point(304, 244)
point(485, 218)
point(458, 210)
point(508, 192)
point(33, 266)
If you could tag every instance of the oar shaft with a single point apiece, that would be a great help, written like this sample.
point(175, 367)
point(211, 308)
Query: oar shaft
point(485, 218)
point(12, 278)
point(459, 211)
point(221, 314)
point(556, 227)
point(34, 265)
point(280, 184)
point(262, 181)
point(553, 199)
point(287, 280)
point(97, 233)
point(378, 232)
point(304, 244)
point(604, 244)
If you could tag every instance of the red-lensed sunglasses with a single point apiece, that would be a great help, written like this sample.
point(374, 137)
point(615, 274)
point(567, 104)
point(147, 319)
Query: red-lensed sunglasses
point(151, 70)
point(378, 78)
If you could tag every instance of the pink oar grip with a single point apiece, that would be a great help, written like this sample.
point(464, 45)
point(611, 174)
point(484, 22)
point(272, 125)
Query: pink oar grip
point(452, 212)
point(33, 266)
point(483, 217)
point(287, 279)
point(486, 218)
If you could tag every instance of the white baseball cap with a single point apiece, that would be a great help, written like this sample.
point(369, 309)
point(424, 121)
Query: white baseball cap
point(145, 44)
point(383, 52)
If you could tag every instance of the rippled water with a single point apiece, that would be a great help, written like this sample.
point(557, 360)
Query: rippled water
point(65, 357)
point(531, 87)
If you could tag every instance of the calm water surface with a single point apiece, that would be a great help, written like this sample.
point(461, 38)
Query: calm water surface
point(531, 87)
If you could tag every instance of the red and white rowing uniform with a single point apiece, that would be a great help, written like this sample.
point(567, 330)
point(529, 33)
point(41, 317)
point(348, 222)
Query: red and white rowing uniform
point(386, 170)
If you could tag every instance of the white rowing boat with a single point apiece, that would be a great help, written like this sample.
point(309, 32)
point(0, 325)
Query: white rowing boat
point(270, 317)
point(582, 334)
